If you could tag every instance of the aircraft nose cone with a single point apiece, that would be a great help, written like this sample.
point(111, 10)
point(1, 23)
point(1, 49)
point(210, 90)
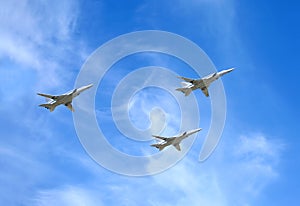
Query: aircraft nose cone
point(88, 86)
point(227, 71)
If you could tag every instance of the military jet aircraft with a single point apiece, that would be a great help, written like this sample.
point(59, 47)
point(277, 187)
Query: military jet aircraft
point(191, 84)
point(65, 99)
point(175, 141)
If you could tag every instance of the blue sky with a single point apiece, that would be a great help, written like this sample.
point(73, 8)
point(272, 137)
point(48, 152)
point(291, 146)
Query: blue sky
point(45, 43)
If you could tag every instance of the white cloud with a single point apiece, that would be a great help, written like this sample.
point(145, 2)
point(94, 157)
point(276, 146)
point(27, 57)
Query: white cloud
point(68, 195)
point(257, 157)
point(152, 108)
point(19, 172)
point(248, 162)
point(194, 186)
point(235, 175)
point(38, 35)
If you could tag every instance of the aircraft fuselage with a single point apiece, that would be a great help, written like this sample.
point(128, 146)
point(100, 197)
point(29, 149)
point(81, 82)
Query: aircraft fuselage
point(65, 99)
point(203, 83)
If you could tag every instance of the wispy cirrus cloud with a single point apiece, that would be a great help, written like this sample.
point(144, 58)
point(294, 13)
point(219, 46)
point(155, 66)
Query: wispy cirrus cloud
point(258, 157)
point(19, 174)
point(36, 46)
point(187, 183)
point(38, 35)
point(68, 196)
point(253, 159)
point(41, 42)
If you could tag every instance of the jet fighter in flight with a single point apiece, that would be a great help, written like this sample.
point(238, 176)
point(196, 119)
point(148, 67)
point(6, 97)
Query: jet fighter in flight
point(65, 99)
point(175, 141)
point(192, 84)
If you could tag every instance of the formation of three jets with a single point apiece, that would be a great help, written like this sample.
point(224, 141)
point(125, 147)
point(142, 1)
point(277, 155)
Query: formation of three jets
point(188, 86)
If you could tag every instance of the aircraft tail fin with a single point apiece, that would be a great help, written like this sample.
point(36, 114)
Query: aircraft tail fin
point(51, 107)
point(186, 91)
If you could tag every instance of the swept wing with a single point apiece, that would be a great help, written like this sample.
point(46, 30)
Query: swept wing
point(48, 96)
point(205, 91)
point(177, 146)
point(70, 107)
point(185, 79)
point(160, 137)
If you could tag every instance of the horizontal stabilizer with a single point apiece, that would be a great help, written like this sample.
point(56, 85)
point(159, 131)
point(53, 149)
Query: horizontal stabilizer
point(158, 146)
point(186, 84)
point(186, 91)
point(51, 107)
